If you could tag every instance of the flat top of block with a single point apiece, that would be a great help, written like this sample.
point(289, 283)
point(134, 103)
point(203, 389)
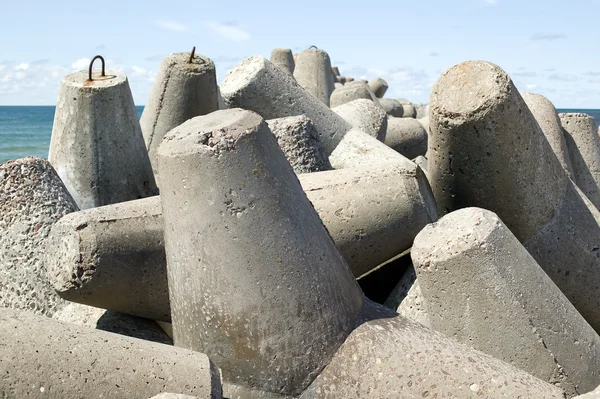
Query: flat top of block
point(469, 88)
point(574, 115)
point(240, 76)
point(199, 62)
point(80, 79)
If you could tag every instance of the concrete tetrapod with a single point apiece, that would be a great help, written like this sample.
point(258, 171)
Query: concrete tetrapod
point(407, 299)
point(299, 141)
point(313, 72)
point(255, 280)
point(407, 136)
point(351, 92)
point(388, 356)
point(113, 257)
point(523, 183)
point(97, 147)
point(379, 87)
point(283, 58)
point(584, 150)
point(545, 114)
point(392, 107)
point(181, 91)
point(32, 199)
point(365, 115)
point(45, 358)
point(258, 85)
point(501, 301)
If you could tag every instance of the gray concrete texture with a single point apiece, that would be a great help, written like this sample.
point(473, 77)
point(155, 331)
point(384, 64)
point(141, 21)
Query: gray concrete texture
point(258, 85)
point(524, 184)
point(278, 298)
point(299, 141)
point(388, 356)
point(32, 200)
point(283, 58)
point(97, 147)
point(407, 299)
point(409, 110)
point(313, 72)
point(546, 116)
point(168, 395)
point(112, 257)
point(50, 359)
point(348, 93)
point(181, 91)
point(392, 107)
point(365, 115)
point(407, 136)
point(336, 71)
point(378, 86)
point(501, 302)
point(583, 143)
point(114, 322)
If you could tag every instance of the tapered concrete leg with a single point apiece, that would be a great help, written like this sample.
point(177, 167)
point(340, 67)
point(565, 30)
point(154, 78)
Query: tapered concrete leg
point(255, 281)
point(313, 72)
point(181, 91)
point(584, 150)
point(407, 136)
point(32, 199)
point(501, 302)
point(346, 94)
point(388, 356)
point(546, 116)
point(392, 107)
point(97, 147)
point(407, 299)
point(299, 140)
point(365, 115)
point(524, 184)
point(379, 87)
point(283, 58)
point(258, 85)
point(40, 358)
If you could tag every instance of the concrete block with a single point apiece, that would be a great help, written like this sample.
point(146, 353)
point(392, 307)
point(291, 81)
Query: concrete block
point(392, 107)
point(545, 114)
point(422, 110)
point(349, 79)
point(114, 322)
point(349, 93)
point(407, 136)
point(583, 145)
point(220, 103)
point(181, 91)
point(365, 115)
point(336, 71)
point(340, 79)
point(32, 199)
point(407, 299)
point(112, 257)
point(48, 358)
point(524, 184)
point(338, 85)
point(239, 236)
point(167, 395)
point(589, 395)
point(501, 302)
point(409, 110)
point(299, 140)
point(283, 58)
point(379, 87)
point(97, 147)
point(388, 356)
point(258, 85)
point(313, 72)
point(421, 161)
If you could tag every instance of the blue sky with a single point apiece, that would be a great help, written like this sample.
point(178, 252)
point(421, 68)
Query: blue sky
point(547, 47)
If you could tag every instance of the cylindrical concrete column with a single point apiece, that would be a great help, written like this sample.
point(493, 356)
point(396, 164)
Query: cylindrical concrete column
point(379, 87)
point(255, 281)
point(365, 115)
point(184, 87)
point(313, 72)
point(501, 301)
point(283, 58)
point(407, 136)
point(97, 147)
point(583, 142)
point(392, 107)
point(43, 358)
point(112, 257)
point(32, 199)
point(258, 85)
point(346, 94)
point(545, 114)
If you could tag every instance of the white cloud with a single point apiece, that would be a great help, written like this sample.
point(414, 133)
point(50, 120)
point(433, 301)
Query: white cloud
point(81, 63)
point(229, 31)
point(530, 86)
point(22, 67)
point(171, 25)
point(563, 77)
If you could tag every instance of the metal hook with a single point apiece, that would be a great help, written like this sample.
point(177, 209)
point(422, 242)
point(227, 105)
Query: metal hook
point(92, 64)
point(312, 47)
point(192, 54)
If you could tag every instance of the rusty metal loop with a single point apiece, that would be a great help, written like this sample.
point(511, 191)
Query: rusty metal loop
point(192, 54)
point(316, 48)
point(92, 64)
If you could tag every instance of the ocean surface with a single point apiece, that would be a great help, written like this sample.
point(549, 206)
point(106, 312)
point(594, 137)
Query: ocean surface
point(26, 130)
